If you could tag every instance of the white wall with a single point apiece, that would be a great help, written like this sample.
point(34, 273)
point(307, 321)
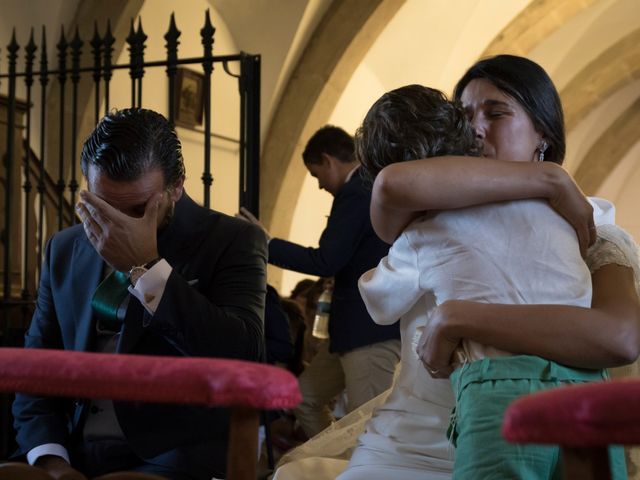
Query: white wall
point(405, 52)
point(190, 15)
point(314, 205)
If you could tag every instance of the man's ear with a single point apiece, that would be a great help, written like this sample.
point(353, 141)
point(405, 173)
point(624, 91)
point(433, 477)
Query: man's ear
point(327, 160)
point(177, 189)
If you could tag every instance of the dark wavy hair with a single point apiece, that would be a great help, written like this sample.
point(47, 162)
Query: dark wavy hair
point(331, 140)
point(409, 123)
point(526, 82)
point(128, 143)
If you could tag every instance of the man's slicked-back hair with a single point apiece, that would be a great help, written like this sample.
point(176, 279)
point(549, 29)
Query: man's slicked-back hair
point(526, 82)
point(409, 123)
point(332, 141)
point(128, 143)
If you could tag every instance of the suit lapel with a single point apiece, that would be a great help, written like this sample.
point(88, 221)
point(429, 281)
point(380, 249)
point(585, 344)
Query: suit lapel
point(132, 329)
point(174, 244)
point(86, 272)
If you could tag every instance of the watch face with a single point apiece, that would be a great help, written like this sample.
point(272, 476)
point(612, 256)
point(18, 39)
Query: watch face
point(135, 273)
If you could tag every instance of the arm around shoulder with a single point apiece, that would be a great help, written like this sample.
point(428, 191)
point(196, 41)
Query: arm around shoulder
point(616, 299)
point(402, 190)
point(606, 335)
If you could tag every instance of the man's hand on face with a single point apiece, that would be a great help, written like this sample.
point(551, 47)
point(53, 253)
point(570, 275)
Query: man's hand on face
point(58, 468)
point(122, 241)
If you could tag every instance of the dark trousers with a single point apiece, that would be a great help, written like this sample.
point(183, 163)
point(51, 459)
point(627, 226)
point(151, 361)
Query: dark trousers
point(106, 456)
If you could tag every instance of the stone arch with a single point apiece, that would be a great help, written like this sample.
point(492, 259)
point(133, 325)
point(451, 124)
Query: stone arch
point(342, 38)
point(609, 149)
point(614, 68)
point(611, 71)
point(534, 24)
point(340, 41)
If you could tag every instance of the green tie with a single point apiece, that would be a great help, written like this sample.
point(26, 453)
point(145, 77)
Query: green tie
point(107, 300)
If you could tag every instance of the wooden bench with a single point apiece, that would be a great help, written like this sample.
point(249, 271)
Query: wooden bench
point(244, 387)
point(583, 419)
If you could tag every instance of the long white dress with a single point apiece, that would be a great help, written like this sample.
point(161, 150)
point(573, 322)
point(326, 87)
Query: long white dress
point(405, 437)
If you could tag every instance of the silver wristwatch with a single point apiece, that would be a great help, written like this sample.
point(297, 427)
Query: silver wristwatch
point(138, 270)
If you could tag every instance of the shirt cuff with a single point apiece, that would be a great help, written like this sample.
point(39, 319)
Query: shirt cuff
point(150, 286)
point(47, 449)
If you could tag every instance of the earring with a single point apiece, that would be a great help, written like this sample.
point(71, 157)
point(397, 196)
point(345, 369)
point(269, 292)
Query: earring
point(542, 147)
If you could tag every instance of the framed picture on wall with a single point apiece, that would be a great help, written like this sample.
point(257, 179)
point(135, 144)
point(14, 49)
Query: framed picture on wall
point(188, 98)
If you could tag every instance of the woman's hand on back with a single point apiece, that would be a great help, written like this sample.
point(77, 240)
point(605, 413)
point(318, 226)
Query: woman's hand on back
point(568, 200)
point(436, 346)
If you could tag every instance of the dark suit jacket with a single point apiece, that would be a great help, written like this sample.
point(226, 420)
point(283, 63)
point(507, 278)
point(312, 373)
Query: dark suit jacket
point(213, 305)
point(348, 247)
point(277, 331)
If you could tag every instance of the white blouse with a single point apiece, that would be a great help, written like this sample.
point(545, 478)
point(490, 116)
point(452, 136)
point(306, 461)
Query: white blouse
point(511, 252)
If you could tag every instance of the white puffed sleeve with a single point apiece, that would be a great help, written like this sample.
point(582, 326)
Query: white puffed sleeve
point(393, 287)
point(614, 246)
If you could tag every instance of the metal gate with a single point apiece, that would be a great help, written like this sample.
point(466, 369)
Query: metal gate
point(40, 193)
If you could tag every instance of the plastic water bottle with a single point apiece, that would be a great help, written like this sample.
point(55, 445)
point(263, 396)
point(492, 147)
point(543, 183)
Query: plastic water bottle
point(321, 320)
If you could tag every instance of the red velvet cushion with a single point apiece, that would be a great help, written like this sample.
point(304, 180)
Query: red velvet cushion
point(202, 381)
point(586, 415)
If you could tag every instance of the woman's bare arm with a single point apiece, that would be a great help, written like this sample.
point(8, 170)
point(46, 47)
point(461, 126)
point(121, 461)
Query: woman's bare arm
point(606, 335)
point(402, 191)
